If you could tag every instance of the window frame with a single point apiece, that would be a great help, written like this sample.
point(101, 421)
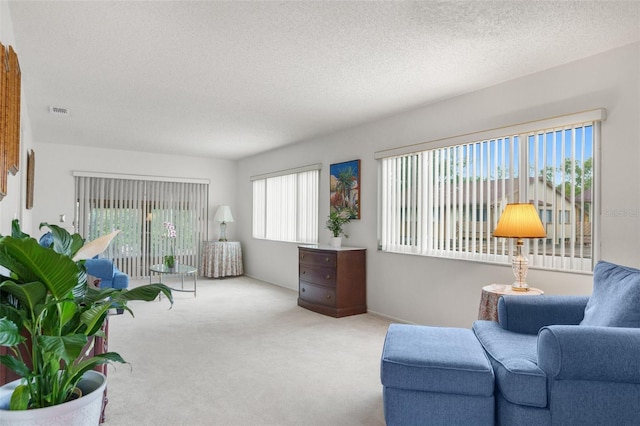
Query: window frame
point(524, 135)
point(299, 222)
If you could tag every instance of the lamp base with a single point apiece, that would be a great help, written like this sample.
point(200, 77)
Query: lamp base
point(223, 232)
point(520, 268)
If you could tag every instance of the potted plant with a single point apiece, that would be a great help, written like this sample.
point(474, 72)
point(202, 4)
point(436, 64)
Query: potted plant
point(337, 219)
point(48, 315)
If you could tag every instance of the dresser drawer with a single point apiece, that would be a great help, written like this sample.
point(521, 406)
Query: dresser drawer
point(318, 274)
point(317, 258)
point(317, 294)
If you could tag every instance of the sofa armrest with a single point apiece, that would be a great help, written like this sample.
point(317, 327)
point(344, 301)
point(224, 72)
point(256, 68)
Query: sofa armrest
point(528, 314)
point(120, 280)
point(604, 354)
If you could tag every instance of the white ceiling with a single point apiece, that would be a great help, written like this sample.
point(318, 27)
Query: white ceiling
point(232, 79)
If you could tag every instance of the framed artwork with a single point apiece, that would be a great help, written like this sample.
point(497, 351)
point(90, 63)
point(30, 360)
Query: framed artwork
point(345, 187)
point(31, 168)
point(10, 113)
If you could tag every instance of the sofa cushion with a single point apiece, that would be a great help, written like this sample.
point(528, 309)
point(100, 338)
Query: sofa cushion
point(435, 359)
point(514, 359)
point(615, 301)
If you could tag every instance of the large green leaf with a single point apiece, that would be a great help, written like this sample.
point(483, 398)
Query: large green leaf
point(74, 373)
point(16, 231)
point(15, 365)
point(32, 262)
point(94, 317)
point(146, 292)
point(67, 311)
point(20, 398)
point(67, 348)
point(63, 242)
point(9, 333)
point(29, 294)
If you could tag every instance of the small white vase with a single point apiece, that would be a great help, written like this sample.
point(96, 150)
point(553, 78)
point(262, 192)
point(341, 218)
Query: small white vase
point(335, 242)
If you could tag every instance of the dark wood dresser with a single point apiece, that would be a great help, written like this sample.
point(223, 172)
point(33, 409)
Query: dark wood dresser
point(332, 280)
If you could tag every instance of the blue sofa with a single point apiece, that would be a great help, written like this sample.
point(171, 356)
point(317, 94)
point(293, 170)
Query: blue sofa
point(556, 360)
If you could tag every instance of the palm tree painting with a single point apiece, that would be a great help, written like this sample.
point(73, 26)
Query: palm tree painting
point(345, 187)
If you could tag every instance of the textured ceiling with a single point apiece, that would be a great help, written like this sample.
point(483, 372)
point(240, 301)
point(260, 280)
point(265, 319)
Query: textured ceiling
point(231, 79)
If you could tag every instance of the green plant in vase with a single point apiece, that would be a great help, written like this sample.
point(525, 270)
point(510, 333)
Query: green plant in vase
point(335, 223)
point(48, 314)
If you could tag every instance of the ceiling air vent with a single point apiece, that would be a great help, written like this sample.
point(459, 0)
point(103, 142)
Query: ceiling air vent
point(58, 110)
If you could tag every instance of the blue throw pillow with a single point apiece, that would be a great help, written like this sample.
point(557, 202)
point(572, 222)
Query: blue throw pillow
point(615, 301)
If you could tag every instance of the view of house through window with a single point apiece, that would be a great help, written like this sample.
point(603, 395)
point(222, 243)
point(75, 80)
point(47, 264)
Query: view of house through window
point(285, 205)
point(447, 201)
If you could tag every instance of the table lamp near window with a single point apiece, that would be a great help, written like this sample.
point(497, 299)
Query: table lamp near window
point(520, 220)
point(223, 215)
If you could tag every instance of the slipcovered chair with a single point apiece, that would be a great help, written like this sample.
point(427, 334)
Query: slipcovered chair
point(555, 360)
point(103, 273)
point(568, 360)
point(107, 273)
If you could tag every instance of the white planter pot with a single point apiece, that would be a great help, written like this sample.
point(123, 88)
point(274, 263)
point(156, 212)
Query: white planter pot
point(84, 411)
point(335, 241)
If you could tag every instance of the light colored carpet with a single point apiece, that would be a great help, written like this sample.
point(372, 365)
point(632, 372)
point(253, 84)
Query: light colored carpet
point(243, 353)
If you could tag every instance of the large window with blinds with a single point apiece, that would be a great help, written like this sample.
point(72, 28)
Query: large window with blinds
point(285, 205)
point(445, 198)
point(139, 208)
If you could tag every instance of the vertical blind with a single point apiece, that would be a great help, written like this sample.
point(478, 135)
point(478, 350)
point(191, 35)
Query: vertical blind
point(140, 209)
point(285, 206)
point(446, 201)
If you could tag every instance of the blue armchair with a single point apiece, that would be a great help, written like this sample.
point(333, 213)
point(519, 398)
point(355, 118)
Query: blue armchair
point(553, 360)
point(108, 273)
point(567, 359)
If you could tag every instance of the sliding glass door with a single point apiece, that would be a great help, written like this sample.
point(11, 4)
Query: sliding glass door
point(141, 210)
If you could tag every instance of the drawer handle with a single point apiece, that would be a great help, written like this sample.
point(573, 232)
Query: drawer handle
point(304, 289)
point(328, 296)
point(302, 256)
point(304, 272)
point(328, 277)
point(326, 259)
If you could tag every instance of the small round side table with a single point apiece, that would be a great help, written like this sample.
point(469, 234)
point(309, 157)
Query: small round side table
point(491, 294)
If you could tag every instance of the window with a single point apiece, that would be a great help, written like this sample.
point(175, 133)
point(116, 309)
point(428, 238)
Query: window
point(285, 205)
point(139, 208)
point(546, 215)
point(445, 200)
point(564, 216)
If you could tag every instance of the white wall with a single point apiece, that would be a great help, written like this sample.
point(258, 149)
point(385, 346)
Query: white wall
point(12, 205)
point(447, 292)
point(54, 185)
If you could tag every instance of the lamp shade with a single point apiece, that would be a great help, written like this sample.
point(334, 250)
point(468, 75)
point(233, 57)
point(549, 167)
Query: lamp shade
point(223, 214)
point(520, 220)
